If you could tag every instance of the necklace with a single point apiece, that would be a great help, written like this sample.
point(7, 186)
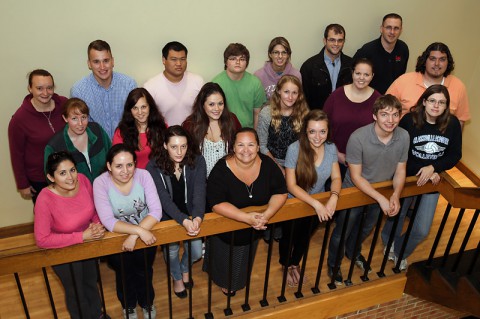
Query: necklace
point(48, 119)
point(249, 190)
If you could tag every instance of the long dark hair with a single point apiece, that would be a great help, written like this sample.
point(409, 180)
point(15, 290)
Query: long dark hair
point(418, 110)
point(155, 123)
point(199, 122)
point(54, 160)
point(305, 172)
point(163, 160)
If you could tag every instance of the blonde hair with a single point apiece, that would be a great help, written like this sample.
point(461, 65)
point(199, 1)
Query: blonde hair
point(300, 108)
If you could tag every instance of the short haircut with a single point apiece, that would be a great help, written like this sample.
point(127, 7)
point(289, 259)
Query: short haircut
point(385, 102)
point(392, 16)
point(436, 46)
point(235, 49)
point(38, 72)
point(74, 104)
point(279, 41)
point(336, 28)
point(98, 45)
point(175, 46)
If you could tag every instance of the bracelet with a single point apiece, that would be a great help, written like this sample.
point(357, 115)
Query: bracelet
point(335, 193)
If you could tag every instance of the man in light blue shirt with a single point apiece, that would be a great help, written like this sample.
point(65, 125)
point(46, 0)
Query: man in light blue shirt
point(103, 90)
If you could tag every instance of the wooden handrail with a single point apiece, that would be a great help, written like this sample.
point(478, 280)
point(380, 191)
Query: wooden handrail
point(19, 253)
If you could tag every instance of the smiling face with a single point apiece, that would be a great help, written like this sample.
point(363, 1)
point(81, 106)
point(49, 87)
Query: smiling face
point(214, 106)
point(77, 122)
point(122, 168)
point(391, 30)
point(279, 57)
point(176, 147)
point(435, 105)
point(65, 177)
point(101, 63)
point(245, 148)
point(288, 94)
point(362, 75)
point(42, 90)
point(140, 111)
point(334, 43)
point(436, 64)
point(387, 120)
point(317, 133)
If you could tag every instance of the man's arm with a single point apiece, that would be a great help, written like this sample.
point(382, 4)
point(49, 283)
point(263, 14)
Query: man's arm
point(398, 183)
point(362, 184)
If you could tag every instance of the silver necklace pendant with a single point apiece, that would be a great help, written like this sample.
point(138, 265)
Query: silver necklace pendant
point(249, 190)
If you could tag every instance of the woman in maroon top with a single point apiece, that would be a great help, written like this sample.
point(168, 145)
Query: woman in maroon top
point(350, 107)
point(31, 127)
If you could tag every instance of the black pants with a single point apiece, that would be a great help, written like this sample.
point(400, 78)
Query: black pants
point(302, 231)
point(85, 274)
point(136, 271)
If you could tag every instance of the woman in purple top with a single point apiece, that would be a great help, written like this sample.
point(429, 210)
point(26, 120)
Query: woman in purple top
point(350, 107)
point(127, 202)
point(278, 64)
point(31, 127)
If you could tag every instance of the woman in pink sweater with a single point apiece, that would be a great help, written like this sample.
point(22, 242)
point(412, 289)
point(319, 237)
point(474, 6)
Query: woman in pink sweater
point(65, 215)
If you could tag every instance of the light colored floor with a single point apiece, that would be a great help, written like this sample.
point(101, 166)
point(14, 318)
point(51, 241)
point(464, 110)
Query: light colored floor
point(37, 298)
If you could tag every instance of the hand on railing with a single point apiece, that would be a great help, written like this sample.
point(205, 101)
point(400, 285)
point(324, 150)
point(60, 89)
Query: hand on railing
point(94, 231)
point(257, 221)
point(425, 174)
point(323, 212)
point(129, 243)
point(435, 179)
point(192, 226)
point(146, 236)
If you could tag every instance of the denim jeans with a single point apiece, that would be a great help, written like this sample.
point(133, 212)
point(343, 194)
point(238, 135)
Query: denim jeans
point(353, 227)
point(177, 266)
point(421, 226)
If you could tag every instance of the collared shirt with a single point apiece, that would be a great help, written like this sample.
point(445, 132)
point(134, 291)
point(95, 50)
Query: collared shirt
point(106, 105)
point(333, 69)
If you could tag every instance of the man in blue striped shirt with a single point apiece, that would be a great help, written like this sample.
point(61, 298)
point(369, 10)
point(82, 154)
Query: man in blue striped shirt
point(103, 90)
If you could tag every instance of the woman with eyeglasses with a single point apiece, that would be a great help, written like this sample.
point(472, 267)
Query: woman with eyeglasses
point(435, 146)
point(278, 64)
point(350, 107)
point(86, 141)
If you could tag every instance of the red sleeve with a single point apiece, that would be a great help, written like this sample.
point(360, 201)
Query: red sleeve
point(117, 137)
point(236, 122)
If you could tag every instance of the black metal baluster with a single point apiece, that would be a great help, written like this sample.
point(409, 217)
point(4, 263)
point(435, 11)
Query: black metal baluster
point(358, 244)
point(291, 225)
point(264, 301)
point(391, 238)
point(100, 284)
point(147, 286)
point(169, 281)
point(228, 310)
point(209, 248)
point(22, 296)
point(452, 237)
point(376, 233)
point(439, 235)
point(465, 240)
point(341, 247)
point(190, 278)
point(49, 290)
point(251, 256)
point(315, 289)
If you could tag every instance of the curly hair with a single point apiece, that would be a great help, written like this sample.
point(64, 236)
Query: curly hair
point(418, 110)
point(155, 122)
point(162, 158)
point(436, 46)
point(300, 107)
point(305, 172)
point(198, 122)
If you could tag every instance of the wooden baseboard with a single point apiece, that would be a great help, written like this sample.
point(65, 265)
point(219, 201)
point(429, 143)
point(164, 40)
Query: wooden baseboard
point(468, 172)
point(16, 230)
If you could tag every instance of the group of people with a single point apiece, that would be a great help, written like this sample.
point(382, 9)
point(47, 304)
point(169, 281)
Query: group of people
point(182, 147)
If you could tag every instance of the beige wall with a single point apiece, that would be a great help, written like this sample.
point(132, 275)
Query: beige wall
point(54, 35)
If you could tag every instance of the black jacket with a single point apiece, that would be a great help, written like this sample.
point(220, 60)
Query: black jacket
point(317, 85)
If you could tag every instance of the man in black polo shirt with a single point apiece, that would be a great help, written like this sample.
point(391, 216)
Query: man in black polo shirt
point(388, 54)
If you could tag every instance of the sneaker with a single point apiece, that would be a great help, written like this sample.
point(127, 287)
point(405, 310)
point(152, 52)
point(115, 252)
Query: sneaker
point(132, 313)
point(362, 263)
point(391, 254)
point(403, 264)
point(338, 277)
point(152, 310)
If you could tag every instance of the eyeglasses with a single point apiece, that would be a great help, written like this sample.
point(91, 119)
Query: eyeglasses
point(433, 102)
point(278, 53)
point(237, 59)
point(333, 41)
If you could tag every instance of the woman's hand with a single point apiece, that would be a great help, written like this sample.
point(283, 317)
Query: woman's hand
point(146, 236)
point(331, 205)
point(27, 193)
point(322, 212)
point(129, 243)
point(435, 178)
point(192, 226)
point(257, 220)
point(94, 231)
point(424, 174)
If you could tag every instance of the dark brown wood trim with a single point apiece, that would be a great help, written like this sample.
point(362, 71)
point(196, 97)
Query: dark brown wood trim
point(16, 230)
